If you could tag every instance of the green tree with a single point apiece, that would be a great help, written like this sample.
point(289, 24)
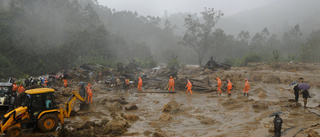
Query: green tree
point(310, 50)
point(244, 37)
point(276, 55)
point(292, 41)
point(199, 34)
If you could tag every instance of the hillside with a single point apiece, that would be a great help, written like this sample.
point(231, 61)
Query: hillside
point(278, 17)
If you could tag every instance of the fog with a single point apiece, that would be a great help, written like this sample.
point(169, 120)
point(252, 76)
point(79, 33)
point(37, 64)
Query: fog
point(157, 7)
point(41, 36)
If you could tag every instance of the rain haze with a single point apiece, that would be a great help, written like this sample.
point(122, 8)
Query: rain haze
point(165, 68)
point(157, 7)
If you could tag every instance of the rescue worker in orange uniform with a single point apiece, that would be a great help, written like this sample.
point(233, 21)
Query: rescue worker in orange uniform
point(65, 79)
point(229, 87)
point(219, 85)
point(89, 92)
point(21, 89)
point(14, 87)
point(246, 88)
point(88, 87)
point(45, 82)
point(171, 84)
point(189, 86)
point(126, 84)
point(140, 84)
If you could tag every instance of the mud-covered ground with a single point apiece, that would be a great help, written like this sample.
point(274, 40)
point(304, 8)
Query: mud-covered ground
point(205, 113)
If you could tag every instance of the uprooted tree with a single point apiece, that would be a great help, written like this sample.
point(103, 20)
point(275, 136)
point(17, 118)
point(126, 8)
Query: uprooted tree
point(199, 34)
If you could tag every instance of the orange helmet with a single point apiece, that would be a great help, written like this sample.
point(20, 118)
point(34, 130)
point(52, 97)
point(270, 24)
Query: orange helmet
point(88, 84)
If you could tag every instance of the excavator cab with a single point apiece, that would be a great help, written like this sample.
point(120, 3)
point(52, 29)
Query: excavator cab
point(38, 103)
point(42, 109)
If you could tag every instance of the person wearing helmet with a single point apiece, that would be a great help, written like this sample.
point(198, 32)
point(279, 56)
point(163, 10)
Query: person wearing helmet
point(126, 84)
point(140, 84)
point(219, 85)
point(88, 87)
point(21, 89)
point(65, 79)
point(14, 87)
point(171, 84)
point(246, 88)
point(189, 86)
point(229, 87)
point(45, 82)
point(89, 92)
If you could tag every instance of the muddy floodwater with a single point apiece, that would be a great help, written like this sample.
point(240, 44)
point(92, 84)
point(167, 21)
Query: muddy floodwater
point(206, 113)
point(210, 114)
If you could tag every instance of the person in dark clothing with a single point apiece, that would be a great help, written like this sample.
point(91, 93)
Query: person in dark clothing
point(31, 81)
point(296, 92)
point(277, 121)
point(11, 80)
point(26, 81)
point(53, 77)
point(305, 95)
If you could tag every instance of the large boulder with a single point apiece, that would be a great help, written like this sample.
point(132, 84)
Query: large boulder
point(165, 117)
point(131, 106)
point(116, 127)
point(130, 117)
point(86, 125)
point(172, 107)
point(113, 107)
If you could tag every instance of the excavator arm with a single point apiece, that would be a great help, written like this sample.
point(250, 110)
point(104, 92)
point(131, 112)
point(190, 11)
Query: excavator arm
point(13, 119)
point(66, 111)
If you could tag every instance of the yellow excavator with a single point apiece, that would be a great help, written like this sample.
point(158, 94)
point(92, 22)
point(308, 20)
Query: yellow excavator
point(38, 110)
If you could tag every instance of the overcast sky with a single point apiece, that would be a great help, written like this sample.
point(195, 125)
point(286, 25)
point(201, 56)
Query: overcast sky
point(157, 7)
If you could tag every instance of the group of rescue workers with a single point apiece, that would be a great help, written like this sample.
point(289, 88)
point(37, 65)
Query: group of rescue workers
point(17, 88)
point(189, 86)
point(43, 82)
point(229, 87)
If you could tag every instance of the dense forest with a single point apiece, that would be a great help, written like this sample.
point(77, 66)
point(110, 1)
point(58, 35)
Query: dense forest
point(45, 36)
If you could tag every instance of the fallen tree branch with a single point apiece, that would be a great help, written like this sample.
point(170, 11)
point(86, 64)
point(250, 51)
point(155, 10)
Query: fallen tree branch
point(302, 129)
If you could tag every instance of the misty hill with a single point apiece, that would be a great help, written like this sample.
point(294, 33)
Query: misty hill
point(45, 36)
point(148, 30)
point(278, 17)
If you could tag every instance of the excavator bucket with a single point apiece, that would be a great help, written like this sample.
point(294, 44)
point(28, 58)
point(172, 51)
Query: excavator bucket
point(84, 106)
